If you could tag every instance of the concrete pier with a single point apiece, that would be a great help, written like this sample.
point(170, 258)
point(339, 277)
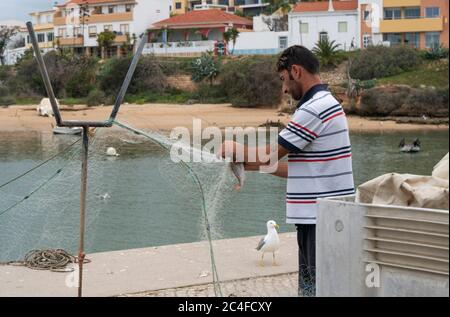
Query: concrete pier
point(173, 270)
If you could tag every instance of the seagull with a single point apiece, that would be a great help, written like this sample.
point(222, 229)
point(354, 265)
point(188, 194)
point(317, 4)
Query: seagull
point(270, 243)
point(412, 148)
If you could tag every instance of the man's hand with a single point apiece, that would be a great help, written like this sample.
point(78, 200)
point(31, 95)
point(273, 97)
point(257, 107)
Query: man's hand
point(255, 159)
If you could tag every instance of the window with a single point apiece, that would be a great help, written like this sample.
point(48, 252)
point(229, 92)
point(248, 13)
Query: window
point(92, 31)
point(128, 7)
point(62, 33)
point(412, 13)
point(178, 5)
point(111, 9)
point(393, 38)
point(304, 28)
point(49, 18)
point(77, 31)
point(108, 27)
point(342, 27)
point(392, 14)
point(432, 12)
point(412, 39)
point(50, 37)
point(41, 38)
point(98, 10)
point(432, 39)
point(125, 28)
point(283, 42)
point(366, 15)
point(367, 40)
point(323, 36)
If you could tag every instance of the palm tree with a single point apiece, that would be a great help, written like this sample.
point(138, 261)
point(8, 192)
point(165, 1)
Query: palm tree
point(326, 51)
point(234, 34)
point(231, 35)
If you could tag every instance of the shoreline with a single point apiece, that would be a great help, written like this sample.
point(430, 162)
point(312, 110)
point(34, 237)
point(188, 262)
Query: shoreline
point(165, 117)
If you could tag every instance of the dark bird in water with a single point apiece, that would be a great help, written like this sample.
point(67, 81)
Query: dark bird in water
point(410, 148)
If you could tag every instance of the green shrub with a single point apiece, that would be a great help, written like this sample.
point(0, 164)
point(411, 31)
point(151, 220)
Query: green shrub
point(4, 91)
point(7, 101)
point(147, 77)
point(95, 98)
point(381, 61)
point(436, 52)
point(205, 67)
point(209, 94)
point(70, 75)
point(176, 66)
point(251, 82)
point(82, 79)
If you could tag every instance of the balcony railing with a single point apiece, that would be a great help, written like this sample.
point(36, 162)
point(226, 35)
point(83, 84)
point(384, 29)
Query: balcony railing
point(98, 18)
point(412, 25)
point(70, 41)
point(401, 3)
point(181, 48)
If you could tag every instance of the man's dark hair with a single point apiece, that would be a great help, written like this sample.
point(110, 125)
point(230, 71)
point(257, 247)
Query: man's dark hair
point(298, 55)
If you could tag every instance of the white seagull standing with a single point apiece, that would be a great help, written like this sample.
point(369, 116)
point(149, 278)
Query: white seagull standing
point(270, 243)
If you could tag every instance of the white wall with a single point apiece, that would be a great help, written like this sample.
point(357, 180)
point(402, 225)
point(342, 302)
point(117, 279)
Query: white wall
point(324, 22)
point(145, 13)
point(376, 16)
point(258, 42)
point(259, 25)
point(148, 12)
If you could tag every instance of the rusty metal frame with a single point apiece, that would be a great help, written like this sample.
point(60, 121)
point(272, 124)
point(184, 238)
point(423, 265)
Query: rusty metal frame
point(85, 125)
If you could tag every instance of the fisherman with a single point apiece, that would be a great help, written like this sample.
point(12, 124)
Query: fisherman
point(317, 144)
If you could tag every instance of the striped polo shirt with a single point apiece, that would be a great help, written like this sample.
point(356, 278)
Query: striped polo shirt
point(319, 161)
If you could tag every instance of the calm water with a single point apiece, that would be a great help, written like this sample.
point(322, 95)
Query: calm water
point(152, 201)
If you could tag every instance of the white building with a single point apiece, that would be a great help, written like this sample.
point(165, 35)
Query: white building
point(337, 20)
point(370, 15)
point(260, 43)
point(78, 27)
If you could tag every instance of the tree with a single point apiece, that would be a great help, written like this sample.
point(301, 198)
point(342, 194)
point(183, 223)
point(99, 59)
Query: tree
point(327, 52)
point(231, 35)
point(105, 41)
point(6, 33)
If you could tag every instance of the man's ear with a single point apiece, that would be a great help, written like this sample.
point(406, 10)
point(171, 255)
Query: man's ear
point(296, 72)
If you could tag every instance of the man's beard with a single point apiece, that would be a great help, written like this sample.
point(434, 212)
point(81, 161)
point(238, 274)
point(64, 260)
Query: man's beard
point(297, 95)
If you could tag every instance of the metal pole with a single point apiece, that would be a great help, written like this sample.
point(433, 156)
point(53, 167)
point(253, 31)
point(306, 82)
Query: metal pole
point(84, 172)
point(129, 76)
point(44, 73)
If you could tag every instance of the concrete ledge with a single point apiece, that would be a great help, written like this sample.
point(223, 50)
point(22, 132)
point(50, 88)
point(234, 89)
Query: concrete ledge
point(155, 268)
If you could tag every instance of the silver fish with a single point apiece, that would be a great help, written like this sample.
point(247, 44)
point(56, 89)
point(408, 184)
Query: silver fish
point(238, 170)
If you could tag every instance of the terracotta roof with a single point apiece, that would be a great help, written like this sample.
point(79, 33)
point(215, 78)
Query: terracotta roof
point(89, 2)
point(196, 17)
point(347, 5)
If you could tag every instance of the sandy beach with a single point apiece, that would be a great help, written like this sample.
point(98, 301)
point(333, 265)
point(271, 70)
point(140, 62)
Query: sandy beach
point(164, 117)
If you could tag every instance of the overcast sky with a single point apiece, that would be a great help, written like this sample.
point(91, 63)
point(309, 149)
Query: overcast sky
point(19, 9)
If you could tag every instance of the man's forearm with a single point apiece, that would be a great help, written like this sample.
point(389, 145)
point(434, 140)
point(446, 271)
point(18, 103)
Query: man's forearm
point(282, 170)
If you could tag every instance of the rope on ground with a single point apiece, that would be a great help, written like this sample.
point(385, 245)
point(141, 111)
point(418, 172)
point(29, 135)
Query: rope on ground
point(216, 280)
point(55, 260)
point(40, 164)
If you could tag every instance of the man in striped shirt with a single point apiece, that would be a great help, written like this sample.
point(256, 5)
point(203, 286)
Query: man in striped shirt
point(317, 144)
